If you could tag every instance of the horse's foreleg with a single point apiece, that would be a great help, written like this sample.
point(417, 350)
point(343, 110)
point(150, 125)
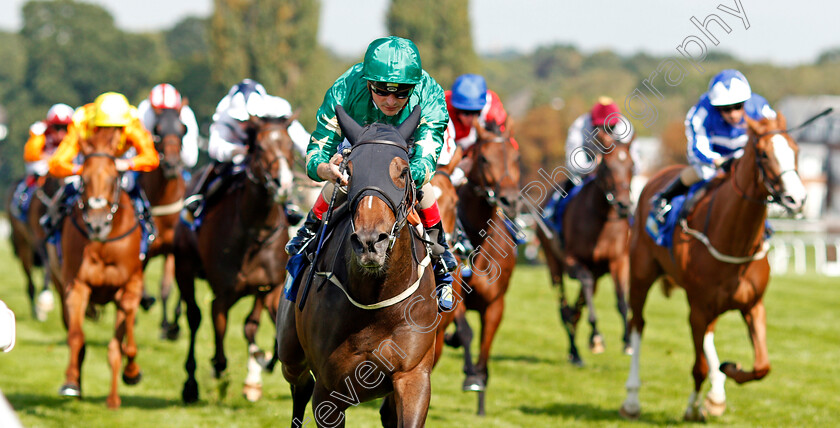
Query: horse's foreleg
point(464, 336)
point(412, 393)
point(699, 326)
point(293, 360)
point(755, 318)
point(252, 390)
point(221, 306)
point(166, 329)
point(76, 301)
point(129, 303)
point(620, 272)
point(643, 272)
point(186, 286)
point(588, 282)
point(115, 356)
point(490, 320)
point(715, 401)
point(328, 411)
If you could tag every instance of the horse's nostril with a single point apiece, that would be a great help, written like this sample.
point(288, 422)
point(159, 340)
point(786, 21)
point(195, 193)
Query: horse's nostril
point(356, 243)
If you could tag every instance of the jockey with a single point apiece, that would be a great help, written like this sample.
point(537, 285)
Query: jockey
point(384, 88)
point(165, 96)
point(716, 133)
point(110, 109)
point(469, 98)
point(581, 147)
point(230, 134)
point(44, 137)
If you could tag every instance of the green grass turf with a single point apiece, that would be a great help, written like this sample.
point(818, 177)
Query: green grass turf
point(531, 383)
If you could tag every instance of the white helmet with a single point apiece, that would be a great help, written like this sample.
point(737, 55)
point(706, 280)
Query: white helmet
point(729, 87)
point(276, 107)
point(246, 98)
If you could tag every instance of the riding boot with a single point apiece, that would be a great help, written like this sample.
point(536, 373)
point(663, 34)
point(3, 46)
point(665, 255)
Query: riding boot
point(305, 234)
point(293, 215)
point(462, 243)
point(662, 201)
point(443, 262)
point(58, 208)
point(194, 204)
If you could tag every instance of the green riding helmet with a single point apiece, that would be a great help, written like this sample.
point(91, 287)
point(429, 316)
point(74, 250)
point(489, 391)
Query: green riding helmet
point(393, 60)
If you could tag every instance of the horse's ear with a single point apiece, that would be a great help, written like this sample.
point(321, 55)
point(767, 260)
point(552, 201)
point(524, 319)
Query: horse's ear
point(781, 121)
point(755, 126)
point(509, 125)
point(480, 130)
point(349, 127)
point(410, 123)
point(293, 117)
point(184, 102)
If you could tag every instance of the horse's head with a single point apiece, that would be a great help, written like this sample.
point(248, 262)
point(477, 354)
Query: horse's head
point(381, 192)
point(776, 156)
point(168, 134)
point(495, 167)
point(615, 172)
point(270, 153)
point(100, 187)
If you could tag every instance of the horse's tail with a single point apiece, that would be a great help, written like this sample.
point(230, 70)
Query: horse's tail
point(668, 286)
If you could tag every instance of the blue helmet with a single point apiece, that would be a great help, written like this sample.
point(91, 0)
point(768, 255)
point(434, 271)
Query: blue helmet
point(469, 92)
point(246, 99)
point(729, 87)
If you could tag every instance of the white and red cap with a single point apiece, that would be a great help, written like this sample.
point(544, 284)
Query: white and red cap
point(60, 114)
point(165, 96)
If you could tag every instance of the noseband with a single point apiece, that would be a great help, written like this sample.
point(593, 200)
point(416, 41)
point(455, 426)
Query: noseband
point(482, 189)
point(83, 204)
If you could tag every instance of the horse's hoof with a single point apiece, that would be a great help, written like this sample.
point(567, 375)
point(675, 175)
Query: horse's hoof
point(596, 345)
point(252, 393)
point(452, 340)
point(190, 392)
point(113, 402)
point(696, 415)
point(631, 415)
point(170, 332)
point(132, 380)
point(473, 383)
point(715, 408)
point(628, 350)
point(146, 302)
point(729, 368)
point(70, 390)
point(46, 301)
point(575, 360)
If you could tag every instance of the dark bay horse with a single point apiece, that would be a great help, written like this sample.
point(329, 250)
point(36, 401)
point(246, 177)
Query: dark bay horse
point(101, 263)
point(164, 188)
point(368, 331)
point(595, 239)
point(719, 257)
point(28, 242)
point(490, 196)
point(239, 249)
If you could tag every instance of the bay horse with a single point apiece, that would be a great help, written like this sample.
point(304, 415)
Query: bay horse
point(595, 239)
point(101, 263)
point(164, 187)
point(29, 244)
point(239, 249)
point(490, 196)
point(719, 257)
point(367, 328)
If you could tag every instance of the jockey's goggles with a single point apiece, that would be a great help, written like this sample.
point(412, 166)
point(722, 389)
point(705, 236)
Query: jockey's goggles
point(730, 107)
point(384, 89)
point(470, 112)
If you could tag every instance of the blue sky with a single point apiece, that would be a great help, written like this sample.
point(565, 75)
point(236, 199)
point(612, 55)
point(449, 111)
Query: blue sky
point(781, 32)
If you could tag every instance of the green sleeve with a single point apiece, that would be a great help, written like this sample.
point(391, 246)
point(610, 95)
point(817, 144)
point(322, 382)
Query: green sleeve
point(327, 134)
point(428, 138)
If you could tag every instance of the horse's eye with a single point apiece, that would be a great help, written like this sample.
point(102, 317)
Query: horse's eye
point(404, 172)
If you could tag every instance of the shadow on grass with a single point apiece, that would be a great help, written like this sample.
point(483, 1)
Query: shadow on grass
point(590, 413)
point(22, 402)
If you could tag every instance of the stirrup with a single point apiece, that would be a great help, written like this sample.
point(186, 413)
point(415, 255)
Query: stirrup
point(194, 204)
point(445, 297)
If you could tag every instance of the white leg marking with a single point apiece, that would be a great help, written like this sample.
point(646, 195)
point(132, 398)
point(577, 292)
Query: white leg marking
point(787, 161)
point(716, 377)
point(634, 382)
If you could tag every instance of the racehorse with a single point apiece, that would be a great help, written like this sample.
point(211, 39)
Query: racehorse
point(594, 242)
point(485, 202)
point(101, 262)
point(367, 327)
point(719, 257)
point(164, 188)
point(28, 242)
point(239, 249)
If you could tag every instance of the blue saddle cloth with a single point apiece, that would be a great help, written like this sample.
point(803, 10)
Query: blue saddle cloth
point(555, 209)
point(663, 232)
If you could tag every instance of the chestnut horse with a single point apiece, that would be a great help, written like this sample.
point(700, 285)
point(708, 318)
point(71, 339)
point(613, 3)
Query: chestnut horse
point(28, 242)
point(101, 262)
point(239, 249)
point(367, 328)
point(594, 242)
point(490, 196)
point(719, 257)
point(164, 188)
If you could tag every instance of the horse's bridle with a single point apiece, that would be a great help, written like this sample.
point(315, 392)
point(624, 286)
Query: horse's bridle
point(83, 205)
point(609, 190)
point(482, 189)
point(402, 209)
point(772, 183)
point(271, 184)
point(159, 137)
